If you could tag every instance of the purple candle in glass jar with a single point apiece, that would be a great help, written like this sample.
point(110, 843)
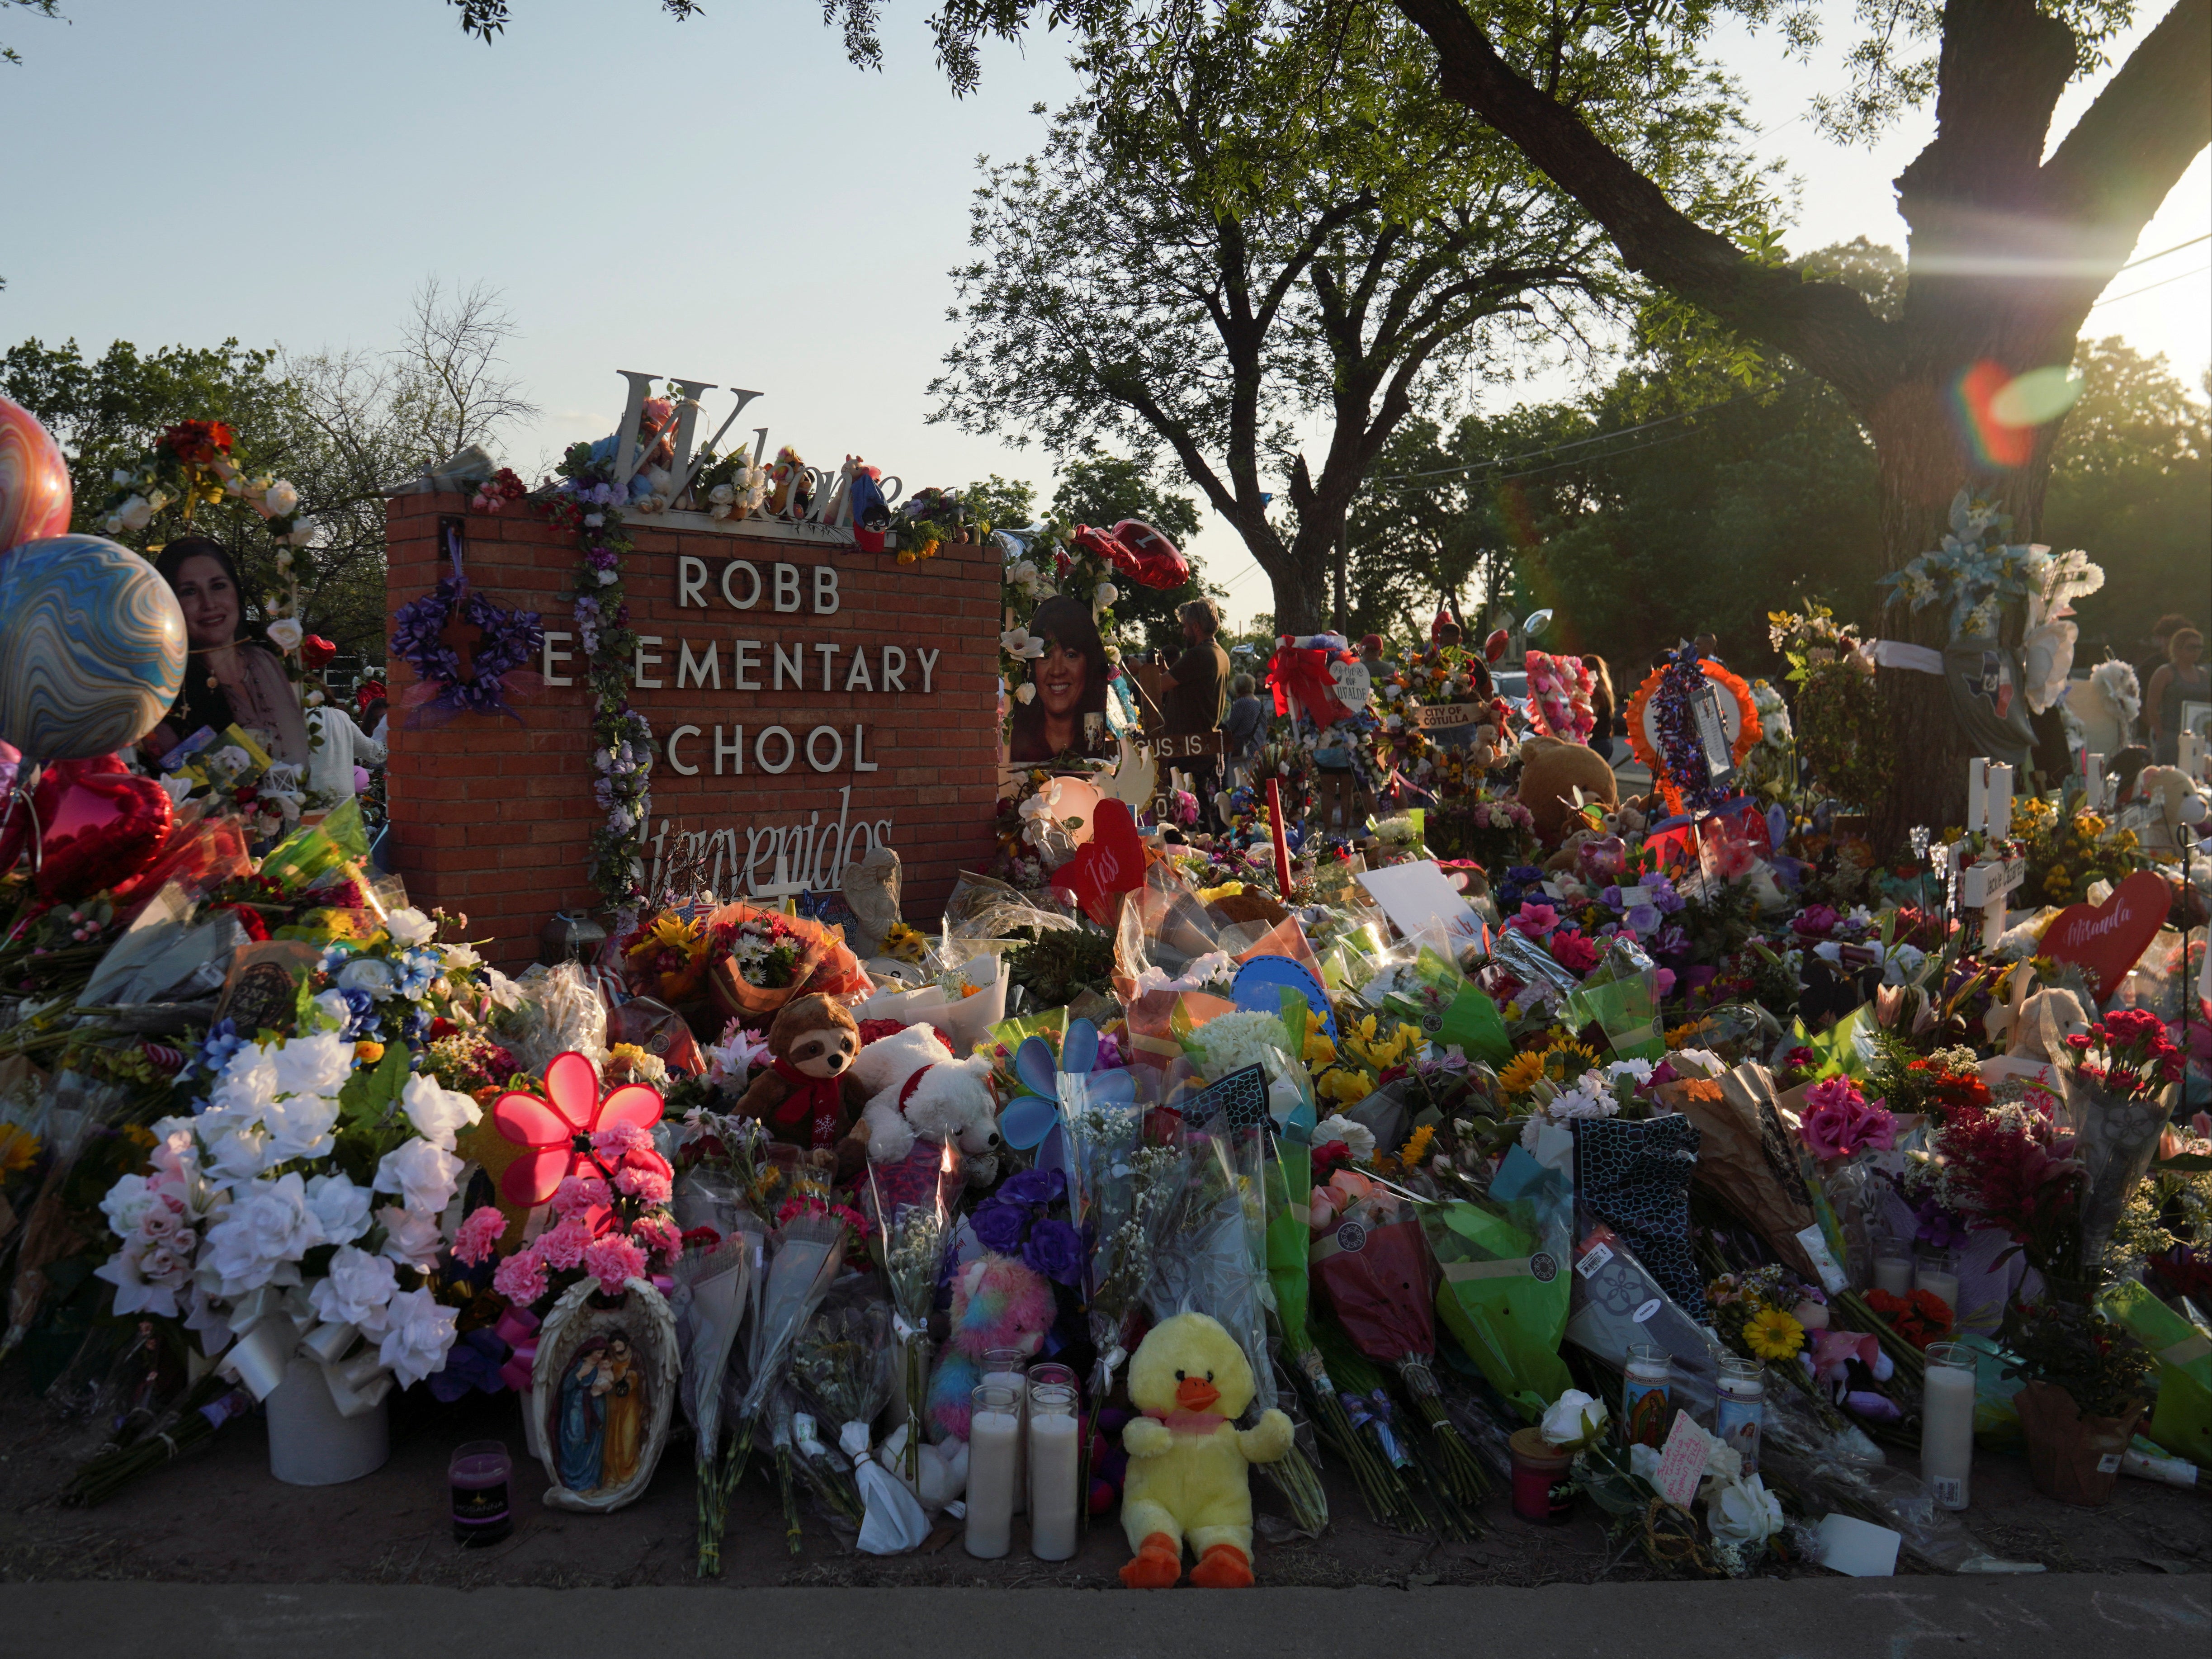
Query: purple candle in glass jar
point(478, 1476)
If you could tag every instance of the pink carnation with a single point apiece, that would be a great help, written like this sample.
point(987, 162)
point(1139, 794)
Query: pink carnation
point(646, 1186)
point(562, 1245)
point(1572, 950)
point(580, 1195)
point(658, 1234)
point(1534, 920)
point(1838, 1121)
point(520, 1279)
point(646, 1159)
point(616, 1139)
point(613, 1260)
point(480, 1234)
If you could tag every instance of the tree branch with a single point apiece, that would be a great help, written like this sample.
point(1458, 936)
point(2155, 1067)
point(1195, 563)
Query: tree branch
point(2150, 123)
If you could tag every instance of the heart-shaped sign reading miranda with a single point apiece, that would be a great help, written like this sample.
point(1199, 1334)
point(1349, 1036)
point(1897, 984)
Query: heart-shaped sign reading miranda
point(2107, 940)
point(1111, 863)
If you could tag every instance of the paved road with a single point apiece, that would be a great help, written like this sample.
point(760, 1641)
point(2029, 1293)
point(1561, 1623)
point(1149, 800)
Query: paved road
point(2083, 1617)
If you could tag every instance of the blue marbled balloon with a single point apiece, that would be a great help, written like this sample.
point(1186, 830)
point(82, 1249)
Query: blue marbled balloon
point(92, 647)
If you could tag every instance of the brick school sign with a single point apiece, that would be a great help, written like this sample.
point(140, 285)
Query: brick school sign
point(807, 699)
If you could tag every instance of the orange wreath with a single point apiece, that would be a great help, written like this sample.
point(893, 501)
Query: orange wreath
point(1748, 729)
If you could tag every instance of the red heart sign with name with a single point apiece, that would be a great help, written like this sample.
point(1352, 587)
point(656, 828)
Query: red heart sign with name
point(1111, 863)
point(2107, 940)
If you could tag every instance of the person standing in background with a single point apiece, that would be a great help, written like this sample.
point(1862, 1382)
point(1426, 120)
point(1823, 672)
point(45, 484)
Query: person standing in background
point(340, 745)
point(1601, 706)
point(1197, 689)
point(1242, 726)
point(2147, 667)
point(2182, 678)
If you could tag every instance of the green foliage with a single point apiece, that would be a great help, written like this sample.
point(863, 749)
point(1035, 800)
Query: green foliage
point(40, 8)
point(1001, 503)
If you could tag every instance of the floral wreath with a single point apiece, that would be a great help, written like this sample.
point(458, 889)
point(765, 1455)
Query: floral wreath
point(511, 639)
point(1559, 691)
point(1663, 700)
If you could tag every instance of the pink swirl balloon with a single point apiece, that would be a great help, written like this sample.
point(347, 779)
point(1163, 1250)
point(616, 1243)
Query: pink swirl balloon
point(35, 481)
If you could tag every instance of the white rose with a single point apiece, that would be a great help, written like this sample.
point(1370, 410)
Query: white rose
point(359, 1287)
point(304, 532)
point(418, 1331)
point(285, 633)
point(1025, 692)
point(436, 1111)
point(1744, 1512)
point(135, 513)
point(409, 926)
point(341, 1209)
point(411, 1239)
point(281, 499)
point(1104, 595)
point(461, 957)
point(1575, 1418)
point(422, 1174)
point(318, 1065)
point(368, 974)
point(255, 1242)
point(128, 1202)
point(300, 1127)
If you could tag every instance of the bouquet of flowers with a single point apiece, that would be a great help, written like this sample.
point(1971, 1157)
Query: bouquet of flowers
point(910, 1247)
point(2120, 1093)
point(1124, 1184)
point(809, 1244)
point(1373, 1264)
point(842, 1362)
point(758, 960)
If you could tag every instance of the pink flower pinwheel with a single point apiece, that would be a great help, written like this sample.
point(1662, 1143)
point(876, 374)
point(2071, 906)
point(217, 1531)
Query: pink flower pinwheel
point(556, 1134)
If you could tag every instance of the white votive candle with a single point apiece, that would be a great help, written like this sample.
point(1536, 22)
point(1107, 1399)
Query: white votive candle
point(1946, 1423)
point(1933, 1275)
point(1008, 1368)
point(995, 1434)
point(1893, 1275)
point(1055, 1484)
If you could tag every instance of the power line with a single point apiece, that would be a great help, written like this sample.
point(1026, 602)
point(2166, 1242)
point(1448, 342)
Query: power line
point(2116, 298)
point(2163, 252)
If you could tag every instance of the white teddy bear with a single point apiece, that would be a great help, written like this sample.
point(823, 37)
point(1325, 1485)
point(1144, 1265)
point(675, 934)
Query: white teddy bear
point(917, 1090)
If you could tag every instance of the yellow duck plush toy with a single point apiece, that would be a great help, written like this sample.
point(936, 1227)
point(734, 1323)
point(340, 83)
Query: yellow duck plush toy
point(1188, 1477)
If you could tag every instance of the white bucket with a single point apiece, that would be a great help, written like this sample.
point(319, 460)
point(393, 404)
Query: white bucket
point(310, 1442)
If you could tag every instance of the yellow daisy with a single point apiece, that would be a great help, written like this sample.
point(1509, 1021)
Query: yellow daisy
point(19, 1149)
point(1771, 1333)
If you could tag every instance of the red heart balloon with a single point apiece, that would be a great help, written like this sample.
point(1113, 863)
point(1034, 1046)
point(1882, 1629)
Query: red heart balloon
point(2108, 938)
point(1111, 863)
point(101, 828)
point(45, 796)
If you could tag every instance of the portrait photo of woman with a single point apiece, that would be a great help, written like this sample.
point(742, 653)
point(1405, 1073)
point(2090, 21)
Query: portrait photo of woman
point(1068, 709)
point(231, 676)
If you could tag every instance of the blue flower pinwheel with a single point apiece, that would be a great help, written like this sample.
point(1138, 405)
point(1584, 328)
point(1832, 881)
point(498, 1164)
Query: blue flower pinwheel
point(1073, 1074)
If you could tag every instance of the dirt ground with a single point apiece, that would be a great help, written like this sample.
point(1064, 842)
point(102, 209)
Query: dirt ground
point(217, 1517)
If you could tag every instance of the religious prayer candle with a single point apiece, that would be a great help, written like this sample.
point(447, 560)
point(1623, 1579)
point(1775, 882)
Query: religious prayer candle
point(1740, 1416)
point(1008, 1368)
point(1946, 1423)
point(479, 1478)
point(994, 1432)
point(1055, 1478)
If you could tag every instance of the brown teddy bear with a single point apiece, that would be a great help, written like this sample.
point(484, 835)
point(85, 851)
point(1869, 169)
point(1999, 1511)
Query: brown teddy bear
point(807, 1094)
point(1551, 771)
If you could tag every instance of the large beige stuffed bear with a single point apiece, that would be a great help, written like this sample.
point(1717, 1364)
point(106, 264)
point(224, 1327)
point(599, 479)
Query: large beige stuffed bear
point(1551, 771)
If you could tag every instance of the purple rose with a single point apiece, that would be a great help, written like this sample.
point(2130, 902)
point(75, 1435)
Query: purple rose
point(1000, 1226)
point(1054, 1250)
point(1643, 918)
point(1033, 1186)
point(1815, 921)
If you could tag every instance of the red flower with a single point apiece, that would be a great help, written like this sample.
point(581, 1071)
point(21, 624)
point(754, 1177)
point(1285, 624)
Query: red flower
point(195, 443)
point(556, 1133)
point(250, 920)
point(315, 651)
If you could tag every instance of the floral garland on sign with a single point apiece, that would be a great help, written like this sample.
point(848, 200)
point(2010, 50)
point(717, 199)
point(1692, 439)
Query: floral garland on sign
point(588, 501)
point(1661, 707)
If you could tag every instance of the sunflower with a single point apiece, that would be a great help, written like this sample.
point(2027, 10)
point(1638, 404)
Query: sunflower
point(19, 1149)
point(1771, 1333)
point(1521, 1075)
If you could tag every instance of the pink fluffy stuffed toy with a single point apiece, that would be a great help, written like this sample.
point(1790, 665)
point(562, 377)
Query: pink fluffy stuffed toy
point(997, 1302)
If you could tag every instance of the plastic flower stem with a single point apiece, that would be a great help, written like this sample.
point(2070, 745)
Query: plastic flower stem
point(1294, 1475)
point(793, 1533)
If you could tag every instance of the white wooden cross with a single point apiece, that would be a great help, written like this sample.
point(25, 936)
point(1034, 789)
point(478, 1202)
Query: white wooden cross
point(1983, 885)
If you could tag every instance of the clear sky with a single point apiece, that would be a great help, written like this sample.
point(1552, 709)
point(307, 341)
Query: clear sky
point(723, 199)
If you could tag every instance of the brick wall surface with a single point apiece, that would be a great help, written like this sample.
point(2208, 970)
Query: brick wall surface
point(495, 819)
